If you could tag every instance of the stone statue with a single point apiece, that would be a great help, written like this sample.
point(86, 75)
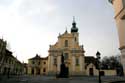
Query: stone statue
point(63, 69)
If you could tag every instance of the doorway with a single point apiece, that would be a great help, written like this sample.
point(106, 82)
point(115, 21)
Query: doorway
point(91, 72)
point(32, 71)
point(38, 71)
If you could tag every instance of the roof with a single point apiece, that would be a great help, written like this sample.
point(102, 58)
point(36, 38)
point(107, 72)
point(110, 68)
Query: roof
point(89, 60)
point(45, 58)
point(9, 53)
point(37, 57)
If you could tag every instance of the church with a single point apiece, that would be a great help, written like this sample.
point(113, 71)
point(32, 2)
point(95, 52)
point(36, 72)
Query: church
point(74, 58)
point(68, 44)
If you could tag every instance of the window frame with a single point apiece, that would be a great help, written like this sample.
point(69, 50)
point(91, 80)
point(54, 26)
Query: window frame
point(77, 62)
point(66, 43)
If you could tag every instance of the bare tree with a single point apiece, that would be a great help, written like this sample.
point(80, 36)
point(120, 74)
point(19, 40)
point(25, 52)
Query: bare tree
point(112, 62)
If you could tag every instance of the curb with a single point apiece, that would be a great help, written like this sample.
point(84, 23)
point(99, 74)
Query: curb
point(123, 81)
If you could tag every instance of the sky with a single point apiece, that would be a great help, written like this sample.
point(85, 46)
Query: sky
point(30, 26)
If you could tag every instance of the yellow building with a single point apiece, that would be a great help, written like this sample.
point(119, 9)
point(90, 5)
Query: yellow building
point(68, 45)
point(37, 65)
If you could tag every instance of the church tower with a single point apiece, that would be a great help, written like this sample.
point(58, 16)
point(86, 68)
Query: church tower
point(119, 7)
point(74, 31)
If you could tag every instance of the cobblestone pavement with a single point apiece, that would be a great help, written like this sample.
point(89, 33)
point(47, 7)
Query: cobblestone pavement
point(48, 79)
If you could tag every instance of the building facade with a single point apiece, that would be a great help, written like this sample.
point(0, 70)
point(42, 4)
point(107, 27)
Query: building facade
point(68, 46)
point(2, 53)
point(9, 65)
point(119, 7)
point(38, 65)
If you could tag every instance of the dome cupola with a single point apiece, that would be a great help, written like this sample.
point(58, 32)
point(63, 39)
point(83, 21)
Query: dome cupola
point(74, 28)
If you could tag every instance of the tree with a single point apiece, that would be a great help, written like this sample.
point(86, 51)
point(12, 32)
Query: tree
point(112, 62)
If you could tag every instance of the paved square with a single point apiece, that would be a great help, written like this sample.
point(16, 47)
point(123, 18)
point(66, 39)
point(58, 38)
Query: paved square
point(46, 79)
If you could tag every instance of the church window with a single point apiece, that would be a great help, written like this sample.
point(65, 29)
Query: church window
point(55, 61)
point(66, 43)
point(75, 39)
point(77, 62)
point(65, 56)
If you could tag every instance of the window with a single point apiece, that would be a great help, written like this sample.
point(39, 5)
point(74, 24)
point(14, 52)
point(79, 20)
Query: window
point(77, 62)
point(44, 63)
point(6, 60)
point(33, 62)
point(75, 39)
point(38, 63)
point(9, 61)
point(55, 61)
point(44, 70)
point(65, 56)
point(0, 57)
point(66, 43)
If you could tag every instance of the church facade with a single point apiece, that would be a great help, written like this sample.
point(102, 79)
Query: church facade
point(68, 46)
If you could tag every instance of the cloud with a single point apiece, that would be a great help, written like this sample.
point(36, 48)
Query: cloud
point(31, 7)
point(18, 25)
point(6, 3)
point(31, 25)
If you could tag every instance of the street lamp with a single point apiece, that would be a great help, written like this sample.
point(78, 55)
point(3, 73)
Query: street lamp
point(98, 59)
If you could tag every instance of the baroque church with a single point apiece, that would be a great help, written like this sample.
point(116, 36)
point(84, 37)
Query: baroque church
point(68, 45)
point(74, 58)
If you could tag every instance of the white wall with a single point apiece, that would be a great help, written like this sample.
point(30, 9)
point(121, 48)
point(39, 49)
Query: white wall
point(96, 73)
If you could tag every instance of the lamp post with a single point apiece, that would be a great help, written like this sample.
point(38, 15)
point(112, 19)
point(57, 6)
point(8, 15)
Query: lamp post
point(98, 58)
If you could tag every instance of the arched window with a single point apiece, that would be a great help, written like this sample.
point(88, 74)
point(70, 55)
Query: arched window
point(66, 43)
